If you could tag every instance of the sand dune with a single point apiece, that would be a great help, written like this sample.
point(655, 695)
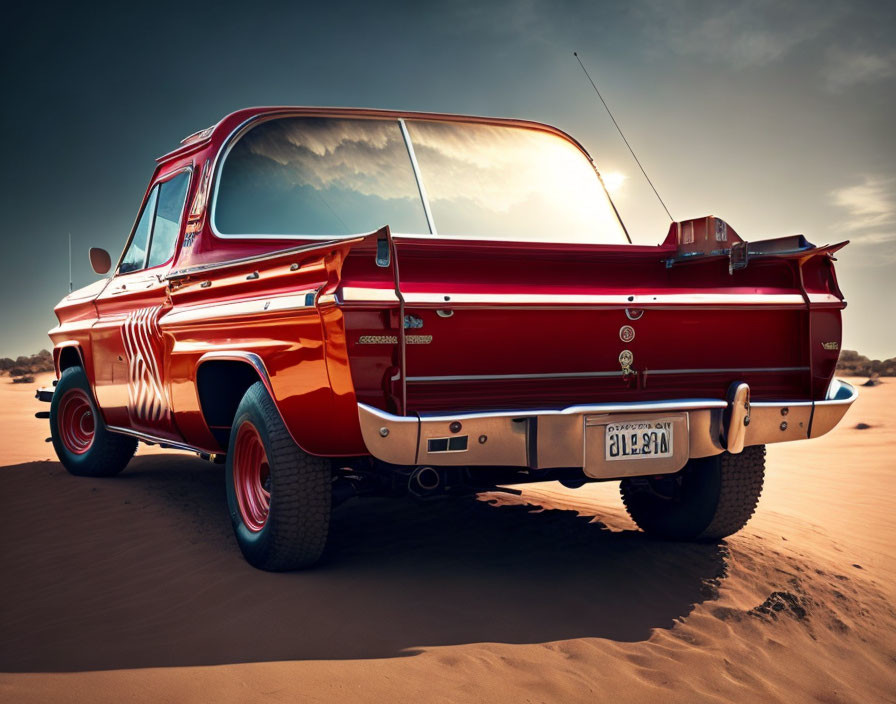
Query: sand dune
point(133, 589)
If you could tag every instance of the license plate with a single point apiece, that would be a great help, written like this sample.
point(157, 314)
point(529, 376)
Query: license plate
point(638, 440)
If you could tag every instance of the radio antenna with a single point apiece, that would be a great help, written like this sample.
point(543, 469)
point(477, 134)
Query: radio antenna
point(71, 286)
point(619, 129)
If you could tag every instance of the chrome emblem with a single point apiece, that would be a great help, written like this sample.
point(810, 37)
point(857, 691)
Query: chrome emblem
point(625, 361)
point(626, 333)
point(831, 345)
point(393, 339)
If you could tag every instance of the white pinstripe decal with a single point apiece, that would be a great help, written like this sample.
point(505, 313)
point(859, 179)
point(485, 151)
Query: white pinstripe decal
point(142, 337)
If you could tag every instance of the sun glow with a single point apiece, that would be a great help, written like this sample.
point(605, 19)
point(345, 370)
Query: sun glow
point(613, 181)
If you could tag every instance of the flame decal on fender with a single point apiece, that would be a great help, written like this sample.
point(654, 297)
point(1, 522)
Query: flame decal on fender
point(142, 337)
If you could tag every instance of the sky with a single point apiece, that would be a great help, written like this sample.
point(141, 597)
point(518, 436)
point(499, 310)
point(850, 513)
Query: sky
point(775, 116)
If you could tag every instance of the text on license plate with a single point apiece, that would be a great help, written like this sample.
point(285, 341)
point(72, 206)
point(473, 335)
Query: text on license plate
point(634, 440)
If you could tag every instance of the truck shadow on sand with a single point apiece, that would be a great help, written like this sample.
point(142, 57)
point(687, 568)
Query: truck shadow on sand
point(142, 571)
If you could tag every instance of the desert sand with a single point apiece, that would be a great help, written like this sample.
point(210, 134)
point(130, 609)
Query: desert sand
point(133, 589)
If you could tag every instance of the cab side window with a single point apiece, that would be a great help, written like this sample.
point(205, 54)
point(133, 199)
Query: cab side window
point(169, 210)
point(135, 257)
point(156, 233)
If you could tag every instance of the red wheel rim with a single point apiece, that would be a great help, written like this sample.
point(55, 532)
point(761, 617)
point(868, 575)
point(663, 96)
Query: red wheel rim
point(251, 475)
point(77, 423)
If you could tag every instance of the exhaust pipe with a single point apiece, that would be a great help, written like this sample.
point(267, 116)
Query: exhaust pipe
point(424, 482)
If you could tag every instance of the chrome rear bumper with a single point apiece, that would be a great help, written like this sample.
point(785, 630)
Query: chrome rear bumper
point(542, 439)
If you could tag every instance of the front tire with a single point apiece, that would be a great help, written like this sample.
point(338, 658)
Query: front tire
point(711, 498)
point(83, 444)
point(279, 496)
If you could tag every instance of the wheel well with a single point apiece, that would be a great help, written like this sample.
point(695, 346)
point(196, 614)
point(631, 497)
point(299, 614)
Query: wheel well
point(69, 357)
point(221, 385)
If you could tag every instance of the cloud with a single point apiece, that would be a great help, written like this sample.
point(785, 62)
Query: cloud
point(367, 156)
point(846, 69)
point(871, 208)
point(741, 34)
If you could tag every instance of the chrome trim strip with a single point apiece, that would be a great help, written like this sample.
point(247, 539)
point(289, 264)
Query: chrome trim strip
point(839, 394)
point(366, 295)
point(503, 377)
point(685, 404)
point(298, 300)
point(153, 440)
point(416, 167)
point(779, 404)
point(738, 418)
point(370, 295)
point(733, 370)
point(584, 375)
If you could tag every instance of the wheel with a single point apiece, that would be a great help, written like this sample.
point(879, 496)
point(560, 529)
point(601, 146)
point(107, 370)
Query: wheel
point(83, 444)
point(279, 496)
point(711, 498)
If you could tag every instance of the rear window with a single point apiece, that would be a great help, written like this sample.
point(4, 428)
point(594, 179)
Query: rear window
point(496, 182)
point(318, 177)
point(328, 177)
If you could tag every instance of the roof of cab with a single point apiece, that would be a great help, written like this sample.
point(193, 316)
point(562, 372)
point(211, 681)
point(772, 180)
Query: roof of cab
point(227, 125)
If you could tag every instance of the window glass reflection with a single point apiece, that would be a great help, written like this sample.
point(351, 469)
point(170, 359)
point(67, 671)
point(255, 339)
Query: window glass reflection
point(487, 181)
point(172, 194)
point(318, 176)
point(135, 257)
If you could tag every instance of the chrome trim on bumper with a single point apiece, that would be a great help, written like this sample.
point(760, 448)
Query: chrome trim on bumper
point(738, 413)
point(542, 439)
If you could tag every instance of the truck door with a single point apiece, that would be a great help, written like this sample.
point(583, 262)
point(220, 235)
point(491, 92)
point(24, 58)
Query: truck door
point(129, 353)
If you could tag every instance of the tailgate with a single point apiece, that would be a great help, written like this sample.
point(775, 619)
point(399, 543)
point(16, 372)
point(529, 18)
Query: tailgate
point(492, 325)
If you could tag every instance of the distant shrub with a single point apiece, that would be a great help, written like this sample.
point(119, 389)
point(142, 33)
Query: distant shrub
point(855, 364)
point(22, 365)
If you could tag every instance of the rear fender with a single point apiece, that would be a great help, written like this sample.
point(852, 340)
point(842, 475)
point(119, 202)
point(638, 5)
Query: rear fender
point(303, 365)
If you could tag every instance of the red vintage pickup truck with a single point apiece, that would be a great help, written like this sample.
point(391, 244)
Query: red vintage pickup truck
point(347, 302)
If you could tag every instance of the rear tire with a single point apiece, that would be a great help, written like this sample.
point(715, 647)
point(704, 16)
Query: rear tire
point(279, 496)
point(83, 444)
point(711, 498)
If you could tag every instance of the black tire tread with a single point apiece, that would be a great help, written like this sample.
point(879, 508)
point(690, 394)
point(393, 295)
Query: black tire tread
point(110, 452)
point(299, 519)
point(740, 480)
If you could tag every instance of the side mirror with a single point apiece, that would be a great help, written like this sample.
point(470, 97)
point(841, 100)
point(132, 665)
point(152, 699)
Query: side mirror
point(100, 260)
